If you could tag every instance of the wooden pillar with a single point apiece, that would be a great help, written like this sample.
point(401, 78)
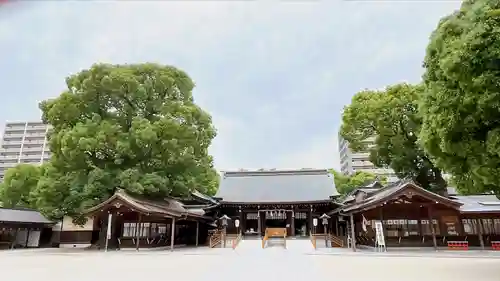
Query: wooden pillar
point(480, 232)
point(172, 235)
point(242, 223)
point(13, 244)
point(353, 233)
point(433, 230)
point(337, 226)
point(310, 221)
point(259, 224)
point(197, 232)
point(27, 237)
point(138, 232)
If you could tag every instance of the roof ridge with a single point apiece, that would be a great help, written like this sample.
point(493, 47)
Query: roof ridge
point(276, 173)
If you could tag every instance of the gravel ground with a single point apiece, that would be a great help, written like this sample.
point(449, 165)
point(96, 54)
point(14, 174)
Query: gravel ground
point(248, 262)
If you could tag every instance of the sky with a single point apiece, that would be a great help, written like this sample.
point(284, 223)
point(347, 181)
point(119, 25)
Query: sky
point(274, 75)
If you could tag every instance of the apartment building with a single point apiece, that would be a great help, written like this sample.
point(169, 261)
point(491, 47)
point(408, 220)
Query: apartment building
point(350, 161)
point(23, 142)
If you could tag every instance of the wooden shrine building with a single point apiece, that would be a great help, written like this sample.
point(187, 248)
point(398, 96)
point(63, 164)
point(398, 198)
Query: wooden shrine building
point(24, 228)
point(413, 216)
point(279, 199)
point(142, 222)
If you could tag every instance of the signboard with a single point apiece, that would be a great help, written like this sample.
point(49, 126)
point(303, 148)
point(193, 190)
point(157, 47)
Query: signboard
point(315, 222)
point(379, 234)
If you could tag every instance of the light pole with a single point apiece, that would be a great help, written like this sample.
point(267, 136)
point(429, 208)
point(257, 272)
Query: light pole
point(224, 220)
point(324, 219)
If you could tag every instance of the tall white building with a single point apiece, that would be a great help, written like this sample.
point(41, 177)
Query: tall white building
point(23, 142)
point(350, 162)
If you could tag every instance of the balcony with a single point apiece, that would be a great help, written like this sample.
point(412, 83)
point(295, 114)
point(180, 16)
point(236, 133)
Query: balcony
point(11, 143)
point(13, 136)
point(12, 129)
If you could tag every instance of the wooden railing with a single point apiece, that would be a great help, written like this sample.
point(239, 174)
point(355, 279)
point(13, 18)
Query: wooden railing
point(215, 239)
point(313, 241)
point(264, 240)
point(336, 241)
point(274, 232)
point(236, 241)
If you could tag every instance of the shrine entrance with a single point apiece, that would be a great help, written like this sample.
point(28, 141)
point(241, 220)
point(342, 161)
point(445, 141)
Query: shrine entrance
point(276, 218)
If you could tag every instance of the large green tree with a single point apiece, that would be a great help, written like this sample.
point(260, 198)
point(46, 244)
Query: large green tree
point(461, 104)
point(16, 190)
point(391, 117)
point(347, 183)
point(134, 127)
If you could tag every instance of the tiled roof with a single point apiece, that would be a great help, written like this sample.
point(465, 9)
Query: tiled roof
point(389, 190)
point(22, 216)
point(165, 206)
point(478, 203)
point(276, 186)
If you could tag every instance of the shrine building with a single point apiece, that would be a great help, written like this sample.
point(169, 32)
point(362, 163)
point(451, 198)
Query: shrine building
point(292, 204)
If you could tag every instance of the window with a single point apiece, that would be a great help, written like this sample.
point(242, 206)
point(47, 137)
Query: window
point(401, 228)
point(470, 226)
point(426, 227)
point(413, 228)
point(496, 225)
point(145, 230)
point(488, 226)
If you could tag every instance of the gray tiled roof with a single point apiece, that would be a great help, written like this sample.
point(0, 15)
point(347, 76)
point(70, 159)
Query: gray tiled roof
point(478, 203)
point(276, 186)
point(22, 216)
point(391, 189)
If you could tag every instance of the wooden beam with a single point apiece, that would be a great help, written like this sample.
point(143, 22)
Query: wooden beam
point(172, 236)
point(480, 232)
point(433, 231)
point(353, 233)
point(138, 232)
point(197, 232)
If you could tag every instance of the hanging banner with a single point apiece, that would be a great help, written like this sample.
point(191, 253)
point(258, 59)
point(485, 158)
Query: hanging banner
point(379, 235)
point(108, 231)
point(365, 222)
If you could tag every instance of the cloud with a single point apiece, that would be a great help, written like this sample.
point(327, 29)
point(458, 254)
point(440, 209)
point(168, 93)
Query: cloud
point(274, 75)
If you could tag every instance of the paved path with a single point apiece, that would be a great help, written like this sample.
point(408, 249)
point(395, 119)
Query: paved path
point(249, 262)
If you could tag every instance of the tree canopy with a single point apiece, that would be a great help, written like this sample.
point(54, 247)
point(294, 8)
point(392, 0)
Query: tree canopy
point(133, 127)
point(16, 190)
point(460, 107)
point(391, 117)
point(347, 183)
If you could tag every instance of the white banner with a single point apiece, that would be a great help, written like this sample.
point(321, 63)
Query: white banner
point(379, 232)
point(108, 232)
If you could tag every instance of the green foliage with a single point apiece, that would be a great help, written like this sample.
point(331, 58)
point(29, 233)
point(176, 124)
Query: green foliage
point(134, 127)
point(391, 117)
point(17, 188)
point(347, 183)
point(460, 107)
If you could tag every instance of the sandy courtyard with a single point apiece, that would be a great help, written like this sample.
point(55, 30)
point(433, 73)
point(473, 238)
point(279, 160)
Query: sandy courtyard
point(246, 265)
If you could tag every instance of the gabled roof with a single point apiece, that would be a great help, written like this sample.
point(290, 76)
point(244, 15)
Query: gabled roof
point(166, 206)
point(22, 216)
point(295, 186)
point(204, 197)
point(478, 203)
point(393, 191)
